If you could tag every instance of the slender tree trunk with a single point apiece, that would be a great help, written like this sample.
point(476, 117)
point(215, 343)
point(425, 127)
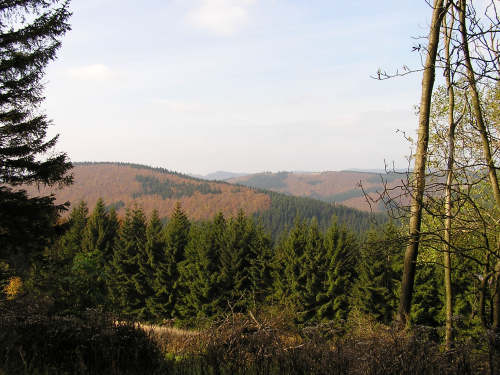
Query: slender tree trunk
point(449, 180)
point(428, 78)
point(479, 117)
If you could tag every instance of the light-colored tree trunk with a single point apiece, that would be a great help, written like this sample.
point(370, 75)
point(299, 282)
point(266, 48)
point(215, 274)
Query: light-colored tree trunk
point(448, 187)
point(485, 140)
point(439, 11)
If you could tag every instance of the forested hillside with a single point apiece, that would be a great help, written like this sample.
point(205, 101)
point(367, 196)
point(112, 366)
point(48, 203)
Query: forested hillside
point(123, 185)
point(339, 187)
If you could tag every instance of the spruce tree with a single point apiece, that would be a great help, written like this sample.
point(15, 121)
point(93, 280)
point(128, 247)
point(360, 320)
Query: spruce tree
point(154, 249)
point(199, 272)
point(125, 279)
point(428, 295)
point(166, 285)
point(243, 264)
point(311, 274)
point(100, 232)
point(71, 241)
point(376, 290)
point(30, 33)
point(261, 254)
point(341, 254)
point(52, 278)
point(291, 277)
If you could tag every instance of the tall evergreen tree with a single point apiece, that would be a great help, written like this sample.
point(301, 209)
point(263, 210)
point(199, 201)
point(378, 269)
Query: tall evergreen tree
point(200, 271)
point(243, 263)
point(71, 241)
point(428, 296)
point(125, 279)
point(300, 270)
point(52, 278)
point(261, 255)
point(30, 32)
point(154, 251)
point(166, 283)
point(100, 232)
point(311, 275)
point(287, 264)
point(379, 268)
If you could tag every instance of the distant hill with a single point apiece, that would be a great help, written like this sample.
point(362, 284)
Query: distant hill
point(122, 185)
point(220, 175)
point(339, 187)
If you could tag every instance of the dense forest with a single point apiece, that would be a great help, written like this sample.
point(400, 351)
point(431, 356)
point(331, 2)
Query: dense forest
point(144, 270)
point(193, 272)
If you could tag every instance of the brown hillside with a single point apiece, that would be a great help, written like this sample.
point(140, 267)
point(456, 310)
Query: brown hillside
point(117, 183)
point(341, 187)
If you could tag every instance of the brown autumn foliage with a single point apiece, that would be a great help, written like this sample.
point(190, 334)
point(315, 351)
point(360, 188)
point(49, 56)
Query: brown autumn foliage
point(117, 183)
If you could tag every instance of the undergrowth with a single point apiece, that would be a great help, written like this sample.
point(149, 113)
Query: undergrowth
point(94, 343)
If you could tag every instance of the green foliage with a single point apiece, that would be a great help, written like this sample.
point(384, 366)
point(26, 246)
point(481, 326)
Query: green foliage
point(170, 189)
point(125, 281)
point(200, 273)
point(71, 241)
point(380, 263)
point(428, 295)
point(341, 250)
point(244, 263)
point(285, 209)
point(30, 37)
point(27, 226)
point(100, 232)
point(154, 249)
point(166, 284)
point(31, 32)
point(314, 272)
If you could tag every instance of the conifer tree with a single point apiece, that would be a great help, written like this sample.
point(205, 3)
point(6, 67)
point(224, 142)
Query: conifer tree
point(379, 268)
point(53, 277)
point(154, 249)
point(240, 235)
point(200, 271)
point(125, 280)
point(166, 284)
point(242, 263)
point(71, 241)
point(311, 274)
point(260, 265)
point(92, 263)
point(287, 264)
point(428, 296)
point(30, 32)
point(301, 260)
point(100, 232)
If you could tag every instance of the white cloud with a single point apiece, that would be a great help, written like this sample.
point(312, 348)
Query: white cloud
point(94, 72)
point(221, 17)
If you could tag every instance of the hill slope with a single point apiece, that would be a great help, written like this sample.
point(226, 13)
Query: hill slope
point(122, 185)
point(340, 187)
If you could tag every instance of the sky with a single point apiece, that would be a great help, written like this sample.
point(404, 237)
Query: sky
point(198, 86)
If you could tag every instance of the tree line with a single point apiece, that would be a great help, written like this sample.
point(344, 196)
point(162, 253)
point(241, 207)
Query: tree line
point(192, 272)
point(145, 270)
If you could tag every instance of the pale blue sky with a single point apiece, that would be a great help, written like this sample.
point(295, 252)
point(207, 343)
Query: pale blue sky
point(240, 85)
